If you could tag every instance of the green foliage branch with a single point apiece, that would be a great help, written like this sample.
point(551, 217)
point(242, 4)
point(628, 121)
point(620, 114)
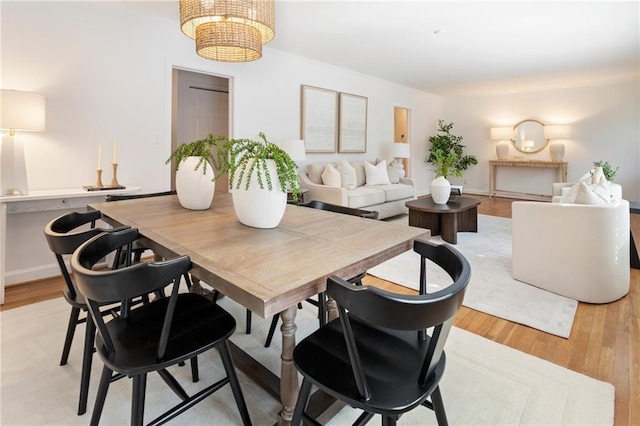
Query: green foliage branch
point(442, 145)
point(211, 150)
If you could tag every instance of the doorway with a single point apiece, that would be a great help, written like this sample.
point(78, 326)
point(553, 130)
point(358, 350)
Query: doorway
point(401, 132)
point(200, 106)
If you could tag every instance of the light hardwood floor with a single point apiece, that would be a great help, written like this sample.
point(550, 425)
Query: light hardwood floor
point(604, 342)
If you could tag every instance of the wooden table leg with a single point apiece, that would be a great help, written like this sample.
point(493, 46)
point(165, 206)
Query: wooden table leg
point(332, 309)
point(288, 374)
point(449, 228)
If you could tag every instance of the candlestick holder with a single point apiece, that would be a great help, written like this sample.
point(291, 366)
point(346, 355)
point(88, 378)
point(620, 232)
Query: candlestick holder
point(98, 183)
point(114, 179)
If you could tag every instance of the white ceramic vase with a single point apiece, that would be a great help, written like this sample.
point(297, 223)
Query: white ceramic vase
point(440, 190)
point(502, 150)
point(195, 189)
point(557, 151)
point(257, 207)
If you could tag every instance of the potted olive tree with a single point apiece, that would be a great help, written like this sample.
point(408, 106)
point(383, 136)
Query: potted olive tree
point(198, 164)
point(260, 175)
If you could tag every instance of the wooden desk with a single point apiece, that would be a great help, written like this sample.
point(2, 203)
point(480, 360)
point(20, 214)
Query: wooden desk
point(260, 268)
point(494, 164)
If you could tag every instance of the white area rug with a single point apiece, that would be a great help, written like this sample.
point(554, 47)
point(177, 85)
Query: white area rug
point(492, 289)
point(484, 384)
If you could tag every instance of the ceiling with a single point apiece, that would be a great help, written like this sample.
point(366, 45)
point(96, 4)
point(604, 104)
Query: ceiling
point(461, 47)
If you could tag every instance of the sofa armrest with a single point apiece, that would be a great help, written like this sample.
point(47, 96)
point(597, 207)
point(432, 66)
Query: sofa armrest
point(412, 182)
point(326, 194)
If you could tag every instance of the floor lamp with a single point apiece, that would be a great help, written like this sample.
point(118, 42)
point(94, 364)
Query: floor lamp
point(20, 112)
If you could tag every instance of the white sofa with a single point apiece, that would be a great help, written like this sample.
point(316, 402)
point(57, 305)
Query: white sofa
point(388, 200)
point(575, 250)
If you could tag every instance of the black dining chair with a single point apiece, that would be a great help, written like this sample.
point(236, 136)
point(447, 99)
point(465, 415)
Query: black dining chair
point(64, 235)
point(154, 336)
point(357, 280)
point(377, 356)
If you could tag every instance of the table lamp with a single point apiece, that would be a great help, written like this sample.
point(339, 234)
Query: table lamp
point(502, 135)
point(401, 150)
point(20, 112)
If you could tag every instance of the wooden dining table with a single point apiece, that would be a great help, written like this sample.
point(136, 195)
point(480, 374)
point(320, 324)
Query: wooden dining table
point(268, 271)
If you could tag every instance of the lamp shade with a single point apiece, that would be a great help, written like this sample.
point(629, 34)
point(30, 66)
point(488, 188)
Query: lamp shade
point(501, 133)
point(22, 111)
point(401, 150)
point(295, 149)
point(557, 132)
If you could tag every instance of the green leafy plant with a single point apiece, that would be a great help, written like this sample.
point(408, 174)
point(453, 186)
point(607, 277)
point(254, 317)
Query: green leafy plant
point(445, 164)
point(607, 169)
point(211, 150)
point(241, 169)
point(446, 143)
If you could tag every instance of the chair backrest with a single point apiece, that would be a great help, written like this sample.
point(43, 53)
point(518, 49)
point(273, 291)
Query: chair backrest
point(370, 214)
point(64, 237)
point(105, 286)
point(120, 197)
point(380, 308)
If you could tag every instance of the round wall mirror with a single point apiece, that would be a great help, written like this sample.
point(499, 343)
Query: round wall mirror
point(528, 136)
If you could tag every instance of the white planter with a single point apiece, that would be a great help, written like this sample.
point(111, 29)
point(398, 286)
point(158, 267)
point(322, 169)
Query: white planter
point(260, 208)
point(195, 189)
point(440, 190)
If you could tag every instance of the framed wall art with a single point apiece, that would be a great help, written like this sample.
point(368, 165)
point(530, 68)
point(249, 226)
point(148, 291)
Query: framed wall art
point(353, 123)
point(319, 119)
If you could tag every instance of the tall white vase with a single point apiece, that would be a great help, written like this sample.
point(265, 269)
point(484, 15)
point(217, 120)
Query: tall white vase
point(195, 189)
point(440, 190)
point(257, 207)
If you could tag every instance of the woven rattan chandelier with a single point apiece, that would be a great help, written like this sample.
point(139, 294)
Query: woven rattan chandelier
point(228, 30)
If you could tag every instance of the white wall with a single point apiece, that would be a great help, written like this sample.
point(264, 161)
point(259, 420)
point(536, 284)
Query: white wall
point(105, 72)
point(604, 121)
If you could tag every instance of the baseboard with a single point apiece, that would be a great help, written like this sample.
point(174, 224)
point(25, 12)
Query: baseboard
point(31, 274)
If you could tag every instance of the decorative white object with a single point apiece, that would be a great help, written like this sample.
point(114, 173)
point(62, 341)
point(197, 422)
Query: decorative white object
point(258, 207)
point(502, 135)
point(598, 175)
point(20, 112)
point(376, 175)
point(401, 150)
point(195, 189)
point(440, 190)
point(556, 150)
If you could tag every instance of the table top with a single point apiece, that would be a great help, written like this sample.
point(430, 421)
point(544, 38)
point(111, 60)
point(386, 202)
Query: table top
point(265, 270)
point(455, 205)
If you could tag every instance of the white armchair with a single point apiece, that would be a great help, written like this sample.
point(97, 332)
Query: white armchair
point(575, 250)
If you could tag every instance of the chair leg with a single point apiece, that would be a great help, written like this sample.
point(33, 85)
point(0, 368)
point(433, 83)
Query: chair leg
point(195, 374)
point(272, 330)
point(248, 329)
point(225, 355)
point(388, 421)
point(101, 396)
point(87, 358)
point(173, 384)
point(137, 403)
point(301, 404)
point(438, 407)
point(71, 329)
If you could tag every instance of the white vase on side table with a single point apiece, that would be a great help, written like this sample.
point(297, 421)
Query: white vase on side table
point(440, 190)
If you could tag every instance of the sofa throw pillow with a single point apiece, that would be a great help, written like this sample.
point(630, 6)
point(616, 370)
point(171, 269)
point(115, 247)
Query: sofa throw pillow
point(331, 176)
point(394, 172)
point(314, 171)
point(347, 174)
point(376, 175)
point(581, 193)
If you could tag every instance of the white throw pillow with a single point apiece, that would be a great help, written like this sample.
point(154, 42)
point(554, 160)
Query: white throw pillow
point(376, 175)
point(331, 176)
point(348, 174)
point(581, 193)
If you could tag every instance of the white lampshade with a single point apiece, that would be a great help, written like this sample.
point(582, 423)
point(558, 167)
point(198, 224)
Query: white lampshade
point(21, 111)
point(401, 150)
point(295, 149)
point(501, 133)
point(557, 132)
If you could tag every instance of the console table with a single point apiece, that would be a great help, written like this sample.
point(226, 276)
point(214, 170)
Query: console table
point(45, 200)
point(494, 164)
